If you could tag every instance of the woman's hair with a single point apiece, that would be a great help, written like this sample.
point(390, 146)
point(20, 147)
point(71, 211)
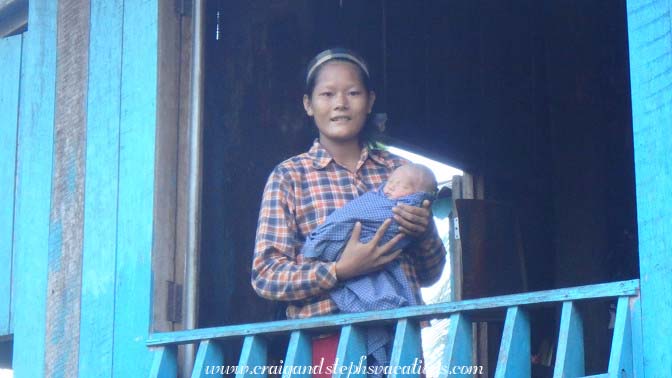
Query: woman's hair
point(371, 131)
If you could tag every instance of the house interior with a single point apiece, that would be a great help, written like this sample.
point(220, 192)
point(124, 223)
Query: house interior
point(532, 98)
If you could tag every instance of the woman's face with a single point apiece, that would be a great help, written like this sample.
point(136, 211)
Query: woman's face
point(339, 103)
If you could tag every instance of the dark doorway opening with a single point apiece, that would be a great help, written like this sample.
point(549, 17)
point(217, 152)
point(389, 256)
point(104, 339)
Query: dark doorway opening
point(534, 97)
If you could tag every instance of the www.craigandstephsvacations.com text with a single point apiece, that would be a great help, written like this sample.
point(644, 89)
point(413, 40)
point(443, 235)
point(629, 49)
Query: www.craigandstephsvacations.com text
point(346, 370)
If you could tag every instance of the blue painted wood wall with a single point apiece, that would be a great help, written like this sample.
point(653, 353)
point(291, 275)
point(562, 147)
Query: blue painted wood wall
point(77, 144)
point(650, 37)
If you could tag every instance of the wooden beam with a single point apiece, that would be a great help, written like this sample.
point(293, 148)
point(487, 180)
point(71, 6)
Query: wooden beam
point(299, 355)
point(406, 358)
point(351, 353)
point(650, 44)
point(33, 189)
point(209, 358)
point(164, 364)
point(135, 222)
point(10, 77)
point(253, 356)
point(609, 290)
point(569, 362)
point(101, 194)
point(620, 360)
point(458, 349)
point(514, 352)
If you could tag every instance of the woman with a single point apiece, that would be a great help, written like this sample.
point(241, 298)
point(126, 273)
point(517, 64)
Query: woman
point(304, 189)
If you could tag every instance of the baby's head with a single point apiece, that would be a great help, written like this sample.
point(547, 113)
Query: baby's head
point(409, 179)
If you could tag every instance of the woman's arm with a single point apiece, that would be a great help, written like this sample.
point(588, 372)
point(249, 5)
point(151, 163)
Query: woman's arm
point(277, 273)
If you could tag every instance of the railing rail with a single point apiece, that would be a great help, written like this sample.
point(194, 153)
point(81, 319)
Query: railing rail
point(514, 355)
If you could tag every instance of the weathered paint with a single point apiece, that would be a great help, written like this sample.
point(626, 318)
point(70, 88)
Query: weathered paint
point(406, 350)
point(458, 348)
point(299, 354)
point(637, 341)
point(33, 189)
point(164, 364)
point(650, 43)
point(253, 356)
point(569, 361)
point(620, 361)
point(132, 313)
point(513, 360)
point(210, 356)
point(608, 290)
point(101, 195)
point(351, 351)
point(10, 77)
point(67, 196)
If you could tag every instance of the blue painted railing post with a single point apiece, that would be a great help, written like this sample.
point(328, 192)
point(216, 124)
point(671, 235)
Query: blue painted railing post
point(299, 355)
point(209, 359)
point(620, 361)
point(351, 353)
point(569, 361)
point(458, 350)
point(253, 356)
point(514, 352)
point(406, 359)
point(165, 362)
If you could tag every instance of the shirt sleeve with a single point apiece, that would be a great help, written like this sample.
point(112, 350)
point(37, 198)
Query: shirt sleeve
point(277, 272)
point(429, 257)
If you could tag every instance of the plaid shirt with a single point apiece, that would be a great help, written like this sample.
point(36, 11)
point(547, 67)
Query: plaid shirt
point(299, 195)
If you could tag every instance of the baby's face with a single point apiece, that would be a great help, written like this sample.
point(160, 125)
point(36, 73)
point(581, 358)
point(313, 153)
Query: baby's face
point(400, 184)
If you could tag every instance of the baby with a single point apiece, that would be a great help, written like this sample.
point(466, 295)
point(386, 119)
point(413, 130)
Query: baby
point(387, 288)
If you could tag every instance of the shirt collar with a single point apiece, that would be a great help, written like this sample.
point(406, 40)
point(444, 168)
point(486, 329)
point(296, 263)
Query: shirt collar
point(321, 157)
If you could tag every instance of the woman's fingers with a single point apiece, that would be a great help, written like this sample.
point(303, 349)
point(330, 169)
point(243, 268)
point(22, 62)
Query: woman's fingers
point(412, 220)
point(380, 232)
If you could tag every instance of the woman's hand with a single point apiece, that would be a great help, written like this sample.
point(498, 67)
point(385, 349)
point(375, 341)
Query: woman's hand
point(361, 258)
point(413, 221)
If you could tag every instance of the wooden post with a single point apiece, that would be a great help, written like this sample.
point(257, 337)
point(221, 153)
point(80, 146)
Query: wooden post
point(650, 43)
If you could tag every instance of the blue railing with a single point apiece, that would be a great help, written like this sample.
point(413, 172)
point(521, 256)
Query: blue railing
point(513, 361)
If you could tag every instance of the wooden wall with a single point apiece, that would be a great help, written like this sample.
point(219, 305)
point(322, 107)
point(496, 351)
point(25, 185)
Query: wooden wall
point(79, 118)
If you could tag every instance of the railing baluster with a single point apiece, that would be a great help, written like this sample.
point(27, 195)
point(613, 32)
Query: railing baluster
point(351, 350)
point(209, 359)
point(569, 362)
point(406, 350)
point(164, 364)
point(458, 348)
point(620, 360)
point(299, 355)
point(514, 351)
point(254, 355)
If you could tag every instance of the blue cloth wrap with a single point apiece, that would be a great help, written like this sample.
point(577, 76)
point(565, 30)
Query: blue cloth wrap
point(381, 290)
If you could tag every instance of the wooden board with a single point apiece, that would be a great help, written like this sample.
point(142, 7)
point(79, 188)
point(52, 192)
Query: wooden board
point(650, 44)
point(10, 77)
point(101, 189)
point(33, 189)
point(137, 136)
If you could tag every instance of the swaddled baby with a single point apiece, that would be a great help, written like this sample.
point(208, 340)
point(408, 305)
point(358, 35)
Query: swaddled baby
point(387, 288)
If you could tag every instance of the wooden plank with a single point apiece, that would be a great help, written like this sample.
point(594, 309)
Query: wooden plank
point(514, 352)
point(620, 359)
point(569, 362)
point(67, 191)
point(164, 364)
point(10, 77)
point(165, 184)
point(33, 188)
point(101, 189)
point(459, 346)
point(351, 353)
point(253, 358)
point(455, 244)
point(637, 341)
point(406, 358)
point(608, 290)
point(650, 44)
point(209, 358)
point(133, 306)
point(299, 355)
